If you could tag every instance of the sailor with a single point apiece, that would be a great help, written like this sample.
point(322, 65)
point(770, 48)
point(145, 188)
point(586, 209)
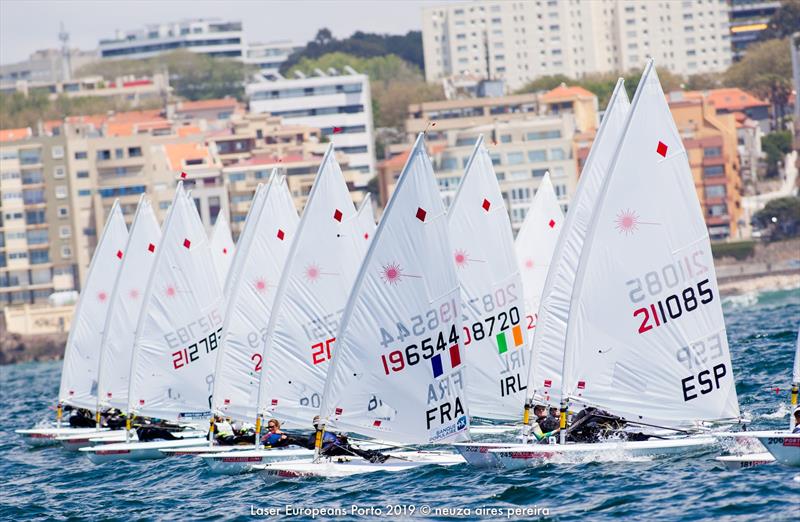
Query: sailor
point(275, 438)
point(537, 430)
point(338, 446)
point(224, 431)
point(546, 422)
point(796, 420)
point(82, 418)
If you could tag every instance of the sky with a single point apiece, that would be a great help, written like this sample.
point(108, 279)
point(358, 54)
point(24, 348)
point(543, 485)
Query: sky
point(30, 25)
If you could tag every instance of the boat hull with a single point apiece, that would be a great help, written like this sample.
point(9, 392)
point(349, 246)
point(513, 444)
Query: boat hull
point(345, 466)
point(202, 450)
point(137, 450)
point(478, 454)
point(522, 456)
point(235, 462)
point(75, 442)
point(734, 462)
point(48, 436)
point(784, 446)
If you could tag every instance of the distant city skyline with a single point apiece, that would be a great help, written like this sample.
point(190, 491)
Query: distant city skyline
point(30, 25)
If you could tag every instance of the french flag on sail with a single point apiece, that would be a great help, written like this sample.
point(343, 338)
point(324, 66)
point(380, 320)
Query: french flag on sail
point(437, 364)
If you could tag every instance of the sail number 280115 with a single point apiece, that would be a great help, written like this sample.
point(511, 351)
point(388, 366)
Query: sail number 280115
point(673, 306)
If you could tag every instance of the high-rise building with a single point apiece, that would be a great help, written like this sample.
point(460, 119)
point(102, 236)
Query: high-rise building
point(212, 37)
point(748, 19)
point(340, 105)
point(519, 41)
point(269, 57)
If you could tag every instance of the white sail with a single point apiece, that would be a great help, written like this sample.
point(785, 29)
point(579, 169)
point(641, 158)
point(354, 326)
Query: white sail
point(544, 381)
point(646, 336)
point(247, 230)
point(366, 218)
point(82, 352)
point(494, 338)
point(263, 251)
point(126, 306)
point(179, 329)
point(222, 248)
point(398, 372)
point(311, 295)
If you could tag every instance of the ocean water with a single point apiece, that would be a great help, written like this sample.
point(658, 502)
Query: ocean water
point(52, 484)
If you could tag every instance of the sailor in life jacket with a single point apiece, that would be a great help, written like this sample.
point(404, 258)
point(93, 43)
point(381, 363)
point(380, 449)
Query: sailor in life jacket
point(543, 427)
point(222, 428)
point(274, 438)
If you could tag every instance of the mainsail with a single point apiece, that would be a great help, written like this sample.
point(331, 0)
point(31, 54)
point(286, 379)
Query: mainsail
point(222, 248)
point(398, 372)
point(263, 248)
point(366, 218)
point(496, 350)
point(179, 329)
point(82, 353)
point(646, 336)
point(126, 306)
point(247, 230)
point(312, 292)
point(544, 381)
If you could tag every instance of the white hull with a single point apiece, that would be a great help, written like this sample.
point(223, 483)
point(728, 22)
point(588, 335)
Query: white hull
point(137, 450)
point(492, 429)
point(47, 436)
point(734, 462)
point(345, 466)
point(521, 456)
point(75, 442)
point(234, 462)
point(477, 454)
point(202, 450)
point(784, 446)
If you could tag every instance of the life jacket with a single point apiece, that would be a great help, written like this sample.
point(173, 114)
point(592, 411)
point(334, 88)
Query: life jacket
point(272, 439)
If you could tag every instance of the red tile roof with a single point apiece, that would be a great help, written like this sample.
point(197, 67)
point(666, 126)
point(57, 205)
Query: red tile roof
point(566, 92)
point(15, 134)
point(729, 99)
point(205, 105)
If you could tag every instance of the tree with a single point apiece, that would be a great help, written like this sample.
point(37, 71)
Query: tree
point(766, 71)
point(776, 145)
point(784, 21)
point(781, 217)
point(193, 76)
point(545, 83)
point(703, 81)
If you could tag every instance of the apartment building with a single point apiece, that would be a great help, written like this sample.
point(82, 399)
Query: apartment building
point(46, 66)
point(710, 140)
point(212, 37)
point(340, 104)
point(37, 232)
point(519, 41)
point(748, 19)
point(300, 169)
point(269, 57)
point(131, 90)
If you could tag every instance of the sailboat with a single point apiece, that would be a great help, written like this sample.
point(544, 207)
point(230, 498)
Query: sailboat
point(82, 353)
point(300, 330)
point(645, 334)
point(550, 296)
point(177, 336)
point(496, 348)
point(222, 248)
point(782, 446)
point(366, 218)
point(398, 372)
point(124, 308)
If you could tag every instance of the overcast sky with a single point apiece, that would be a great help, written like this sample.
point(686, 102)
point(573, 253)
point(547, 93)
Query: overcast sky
point(29, 25)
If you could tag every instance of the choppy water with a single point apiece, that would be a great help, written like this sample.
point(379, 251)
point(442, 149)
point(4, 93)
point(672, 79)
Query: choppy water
point(52, 484)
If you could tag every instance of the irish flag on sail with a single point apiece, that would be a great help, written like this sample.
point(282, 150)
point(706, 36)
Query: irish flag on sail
point(126, 306)
point(398, 372)
point(82, 353)
point(544, 380)
point(646, 336)
point(301, 335)
point(491, 292)
point(179, 329)
point(263, 248)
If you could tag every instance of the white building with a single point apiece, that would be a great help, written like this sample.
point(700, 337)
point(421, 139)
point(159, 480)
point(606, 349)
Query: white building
point(45, 66)
point(269, 57)
point(211, 37)
point(519, 41)
point(338, 104)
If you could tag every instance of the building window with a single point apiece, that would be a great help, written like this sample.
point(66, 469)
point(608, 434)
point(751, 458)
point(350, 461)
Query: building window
point(713, 171)
point(119, 153)
point(103, 155)
point(537, 155)
point(57, 152)
point(84, 192)
point(59, 172)
point(63, 212)
point(35, 217)
point(30, 157)
point(66, 252)
point(134, 152)
point(505, 138)
point(538, 173)
point(64, 231)
point(237, 176)
point(557, 154)
point(37, 237)
point(718, 210)
point(715, 191)
point(712, 152)
point(61, 191)
point(515, 158)
point(83, 174)
point(39, 256)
